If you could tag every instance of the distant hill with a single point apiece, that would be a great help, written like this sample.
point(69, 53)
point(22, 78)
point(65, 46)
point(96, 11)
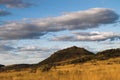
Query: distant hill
point(69, 55)
point(106, 54)
point(15, 67)
point(1, 65)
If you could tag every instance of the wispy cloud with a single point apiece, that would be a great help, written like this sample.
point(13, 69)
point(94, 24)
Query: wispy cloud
point(4, 13)
point(33, 28)
point(26, 54)
point(36, 48)
point(15, 3)
point(6, 48)
point(89, 36)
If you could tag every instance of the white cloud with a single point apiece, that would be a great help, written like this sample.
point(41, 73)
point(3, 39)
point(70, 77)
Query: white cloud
point(33, 28)
point(35, 48)
point(88, 36)
point(26, 54)
point(15, 3)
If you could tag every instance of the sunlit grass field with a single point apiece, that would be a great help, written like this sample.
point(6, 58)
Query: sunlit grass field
point(92, 70)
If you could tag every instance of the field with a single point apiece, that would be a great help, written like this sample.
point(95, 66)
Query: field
point(92, 70)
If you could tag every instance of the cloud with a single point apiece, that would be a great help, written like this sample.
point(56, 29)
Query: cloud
point(82, 20)
point(89, 36)
point(26, 54)
point(35, 48)
point(10, 35)
point(15, 3)
point(10, 58)
point(6, 48)
point(4, 13)
point(32, 48)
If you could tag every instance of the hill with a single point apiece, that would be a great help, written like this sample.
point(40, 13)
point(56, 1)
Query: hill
point(106, 54)
point(15, 67)
point(68, 55)
point(71, 55)
point(1, 65)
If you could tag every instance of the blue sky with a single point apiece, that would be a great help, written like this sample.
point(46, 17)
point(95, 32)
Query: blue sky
point(31, 30)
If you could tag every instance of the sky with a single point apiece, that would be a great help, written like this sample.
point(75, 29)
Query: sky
point(32, 30)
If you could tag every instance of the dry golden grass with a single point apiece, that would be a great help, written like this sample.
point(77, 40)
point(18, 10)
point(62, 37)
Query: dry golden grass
point(95, 70)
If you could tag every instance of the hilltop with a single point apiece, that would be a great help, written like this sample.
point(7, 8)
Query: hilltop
point(67, 55)
point(71, 55)
point(107, 54)
point(72, 63)
point(74, 55)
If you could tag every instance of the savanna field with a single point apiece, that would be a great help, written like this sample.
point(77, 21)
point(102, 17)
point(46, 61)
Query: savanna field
point(59, 39)
point(91, 70)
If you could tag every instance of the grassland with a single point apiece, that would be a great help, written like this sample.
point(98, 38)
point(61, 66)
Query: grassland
point(92, 70)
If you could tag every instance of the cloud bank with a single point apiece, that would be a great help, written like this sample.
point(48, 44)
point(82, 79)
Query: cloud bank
point(89, 36)
point(82, 20)
point(15, 3)
point(26, 54)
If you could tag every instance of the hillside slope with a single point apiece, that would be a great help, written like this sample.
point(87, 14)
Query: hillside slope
point(68, 54)
point(107, 54)
point(71, 55)
point(1, 65)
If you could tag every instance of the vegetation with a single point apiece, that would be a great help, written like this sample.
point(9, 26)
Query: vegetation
point(72, 55)
point(68, 64)
point(112, 53)
point(103, 70)
point(66, 55)
point(1, 65)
